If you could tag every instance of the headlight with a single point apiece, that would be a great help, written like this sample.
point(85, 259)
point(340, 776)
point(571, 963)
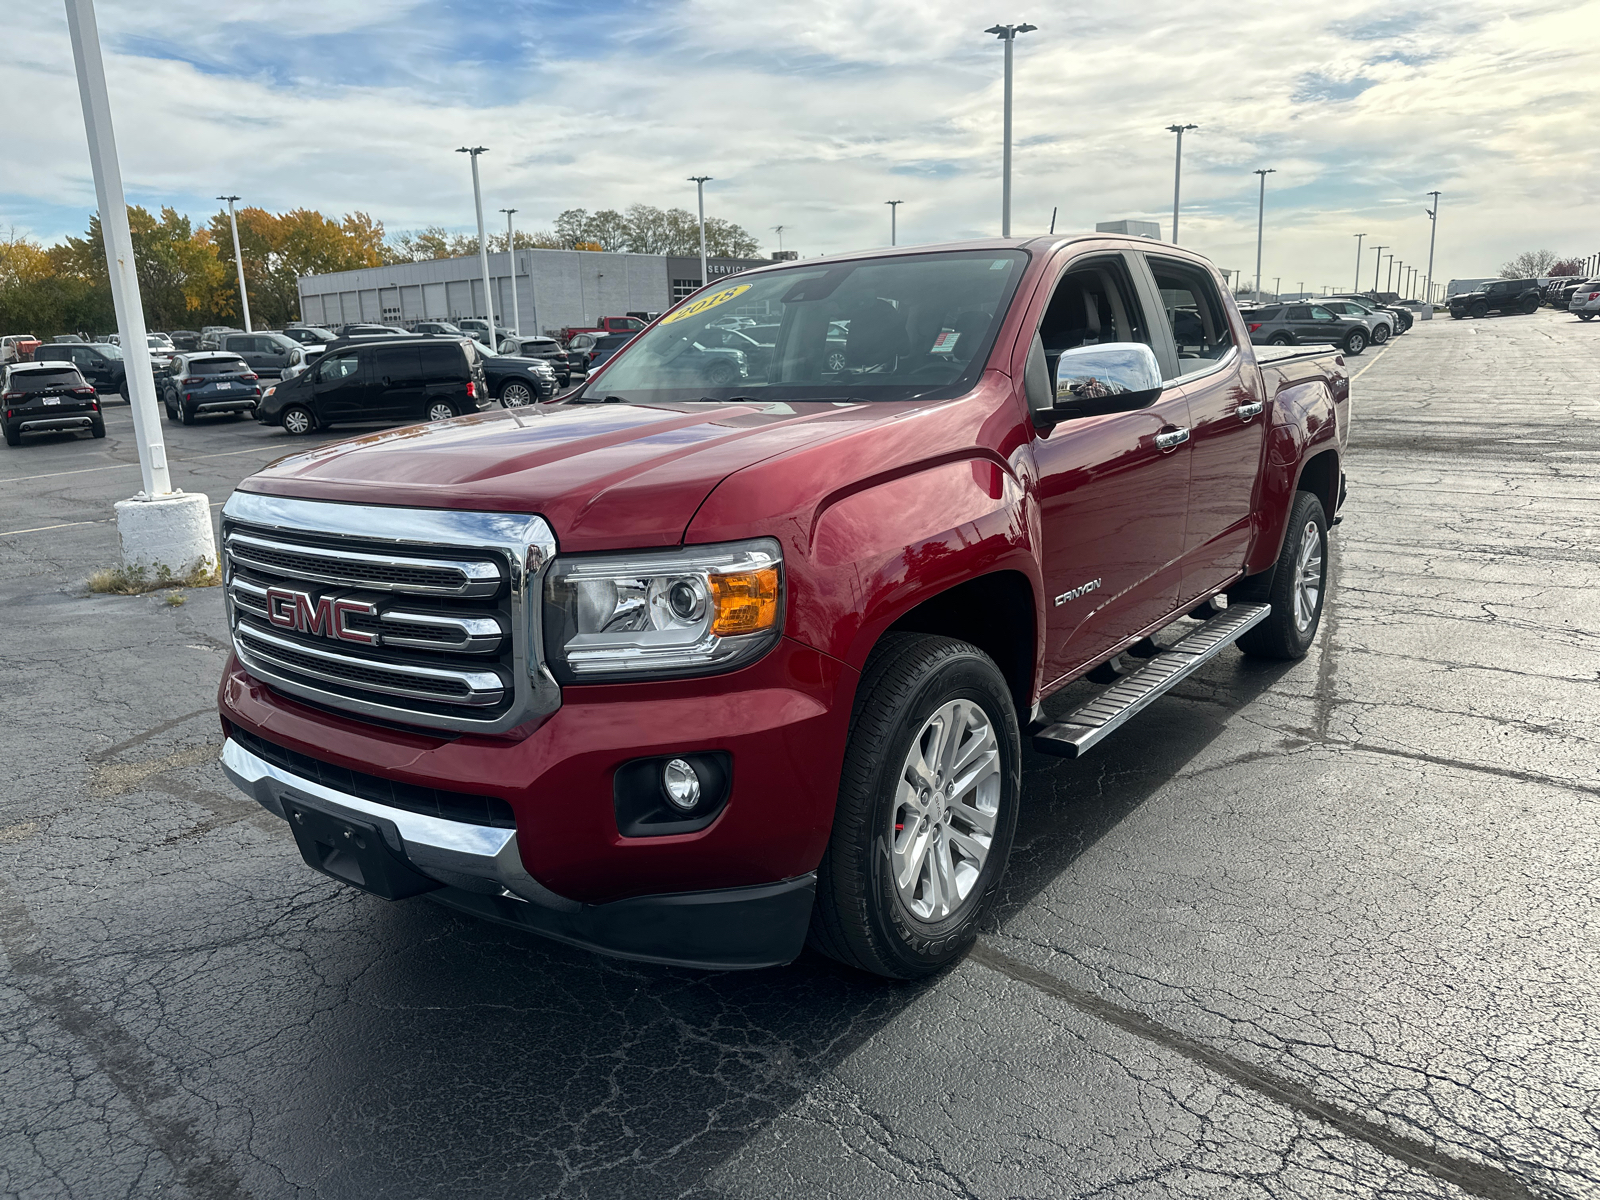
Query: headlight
point(662, 614)
point(269, 391)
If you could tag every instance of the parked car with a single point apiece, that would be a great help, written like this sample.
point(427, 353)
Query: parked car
point(17, 347)
point(444, 327)
point(1403, 316)
point(545, 348)
point(516, 380)
point(604, 325)
point(1502, 296)
point(679, 676)
point(185, 339)
point(211, 336)
point(367, 329)
point(308, 335)
point(1380, 324)
point(101, 364)
point(604, 346)
point(207, 383)
point(300, 359)
point(1294, 324)
point(67, 339)
point(267, 352)
point(47, 397)
point(389, 379)
point(1585, 301)
point(476, 328)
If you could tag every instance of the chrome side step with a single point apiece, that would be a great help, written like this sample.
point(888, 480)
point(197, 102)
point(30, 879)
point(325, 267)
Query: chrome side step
point(1075, 736)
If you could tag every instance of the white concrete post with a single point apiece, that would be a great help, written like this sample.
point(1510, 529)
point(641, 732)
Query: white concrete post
point(511, 256)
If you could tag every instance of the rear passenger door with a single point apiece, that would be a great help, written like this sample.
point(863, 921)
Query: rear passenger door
point(443, 370)
point(397, 390)
point(1217, 378)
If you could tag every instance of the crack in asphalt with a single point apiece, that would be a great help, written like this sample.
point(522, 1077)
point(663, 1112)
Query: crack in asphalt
point(1474, 1178)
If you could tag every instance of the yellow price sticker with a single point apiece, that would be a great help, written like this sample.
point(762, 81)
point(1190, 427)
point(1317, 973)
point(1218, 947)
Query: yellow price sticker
point(704, 303)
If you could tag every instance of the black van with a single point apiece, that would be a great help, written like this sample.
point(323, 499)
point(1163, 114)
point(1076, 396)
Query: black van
point(398, 379)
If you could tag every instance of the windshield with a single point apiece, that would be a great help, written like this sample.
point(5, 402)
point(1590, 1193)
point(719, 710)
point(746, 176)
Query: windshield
point(109, 350)
point(916, 325)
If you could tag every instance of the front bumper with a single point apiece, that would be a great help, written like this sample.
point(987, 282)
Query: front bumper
point(478, 869)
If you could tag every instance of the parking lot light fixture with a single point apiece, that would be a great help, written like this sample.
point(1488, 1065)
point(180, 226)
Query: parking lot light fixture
point(244, 297)
point(778, 229)
point(699, 182)
point(1177, 175)
point(1008, 35)
point(511, 257)
point(483, 241)
point(1261, 223)
point(894, 206)
point(1388, 280)
point(1358, 238)
point(1377, 265)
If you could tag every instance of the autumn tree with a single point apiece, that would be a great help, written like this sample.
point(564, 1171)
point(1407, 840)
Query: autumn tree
point(1530, 264)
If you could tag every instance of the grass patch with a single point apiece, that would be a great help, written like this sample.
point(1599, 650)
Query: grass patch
point(175, 599)
point(137, 579)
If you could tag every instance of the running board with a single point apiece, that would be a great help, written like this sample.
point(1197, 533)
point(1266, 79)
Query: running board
point(1075, 736)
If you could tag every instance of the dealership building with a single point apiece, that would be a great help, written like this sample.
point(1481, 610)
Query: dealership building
point(555, 288)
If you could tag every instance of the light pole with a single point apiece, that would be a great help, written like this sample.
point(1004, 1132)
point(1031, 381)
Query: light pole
point(1377, 265)
point(1261, 224)
point(1008, 35)
point(1388, 281)
point(1433, 231)
point(483, 242)
point(511, 257)
point(894, 210)
point(778, 229)
point(1358, 238)
point(699, 182)
point(244, 298)
point(1177, 175)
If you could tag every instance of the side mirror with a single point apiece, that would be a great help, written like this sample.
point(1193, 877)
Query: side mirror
point(1114, 377)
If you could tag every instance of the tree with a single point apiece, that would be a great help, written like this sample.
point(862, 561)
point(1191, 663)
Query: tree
point(278, 249)
point(1567, 266)
point(1530, 264)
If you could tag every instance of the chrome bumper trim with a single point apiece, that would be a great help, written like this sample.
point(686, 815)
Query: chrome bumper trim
point(453, 852)
point(55, 423)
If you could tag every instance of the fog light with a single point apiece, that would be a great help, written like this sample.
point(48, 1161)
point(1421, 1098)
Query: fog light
point(681, 784)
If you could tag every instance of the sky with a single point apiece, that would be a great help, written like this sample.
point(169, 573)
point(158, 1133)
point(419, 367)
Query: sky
point(810, 114)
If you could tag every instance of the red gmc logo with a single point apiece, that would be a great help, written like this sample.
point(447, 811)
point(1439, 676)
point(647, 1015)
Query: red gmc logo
point(325, 616)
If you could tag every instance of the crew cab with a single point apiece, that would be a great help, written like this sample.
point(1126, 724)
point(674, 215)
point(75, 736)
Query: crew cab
point(696, 674)
point(604, 325)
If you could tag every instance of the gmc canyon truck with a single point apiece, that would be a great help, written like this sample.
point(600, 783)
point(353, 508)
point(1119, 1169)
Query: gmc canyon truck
point(698, 674)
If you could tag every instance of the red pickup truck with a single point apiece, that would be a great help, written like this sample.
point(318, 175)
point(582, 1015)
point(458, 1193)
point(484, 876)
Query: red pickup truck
point(698, 673)
point(604, 325)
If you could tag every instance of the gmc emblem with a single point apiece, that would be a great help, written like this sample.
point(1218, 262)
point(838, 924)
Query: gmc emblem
point(325, 616)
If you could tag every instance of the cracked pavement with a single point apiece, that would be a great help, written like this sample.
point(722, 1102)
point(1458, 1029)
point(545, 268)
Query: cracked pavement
point(1324, 929)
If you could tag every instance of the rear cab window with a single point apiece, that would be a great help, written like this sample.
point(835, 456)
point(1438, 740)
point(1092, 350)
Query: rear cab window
point(1195, 314)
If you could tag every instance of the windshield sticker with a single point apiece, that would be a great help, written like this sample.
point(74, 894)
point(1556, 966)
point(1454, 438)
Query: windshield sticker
point(945, 342)
point(704, 303)
point(1000, 264)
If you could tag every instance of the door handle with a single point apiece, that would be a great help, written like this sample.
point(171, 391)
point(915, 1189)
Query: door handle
point(1170, 439)
point(1246, 411)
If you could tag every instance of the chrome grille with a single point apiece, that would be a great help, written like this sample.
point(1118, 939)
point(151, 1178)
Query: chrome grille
point(422, 616)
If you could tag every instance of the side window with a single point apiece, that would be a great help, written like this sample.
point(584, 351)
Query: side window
point(442, 362)
point(338, 367)
point(1318, 313)
point(1195, 314)
point(1094, 303)
point(1298, 312)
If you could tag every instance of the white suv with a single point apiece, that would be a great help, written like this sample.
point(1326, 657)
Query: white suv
point(1585, 301)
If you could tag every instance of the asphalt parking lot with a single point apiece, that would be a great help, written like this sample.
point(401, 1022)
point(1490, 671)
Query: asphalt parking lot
point(1321, 929)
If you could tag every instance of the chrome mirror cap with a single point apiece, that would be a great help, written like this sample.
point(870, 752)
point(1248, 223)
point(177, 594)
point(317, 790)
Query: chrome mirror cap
point(1110, 370)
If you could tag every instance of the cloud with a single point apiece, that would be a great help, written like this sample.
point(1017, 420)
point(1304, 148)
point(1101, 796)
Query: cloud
point(810, 115)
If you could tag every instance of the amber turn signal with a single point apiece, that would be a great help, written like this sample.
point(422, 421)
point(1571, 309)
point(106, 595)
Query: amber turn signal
point(744, 602)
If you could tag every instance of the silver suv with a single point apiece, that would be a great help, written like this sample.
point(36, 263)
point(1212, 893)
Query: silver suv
point(1381, 324)
point(1585, 301)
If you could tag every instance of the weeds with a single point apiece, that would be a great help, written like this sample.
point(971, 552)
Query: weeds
point(134, 580)
point(175, 599)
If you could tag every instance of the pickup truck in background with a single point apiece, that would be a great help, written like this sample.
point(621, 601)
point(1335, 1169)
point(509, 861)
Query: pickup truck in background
point(698, 674)
point(604, 325)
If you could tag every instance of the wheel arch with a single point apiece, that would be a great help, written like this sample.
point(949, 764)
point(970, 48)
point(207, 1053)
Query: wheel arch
point(997, 613)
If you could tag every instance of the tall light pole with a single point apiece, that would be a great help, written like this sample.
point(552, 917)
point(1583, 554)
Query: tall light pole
point(1388, 282)
point(1177, 175)
point(244, 298)
point(1008, 35)
point(778, 229)
point(699, 182)
point(1433, 230)
point(894, 210)
point(1358, 238)
point(511, 257)
point(1261, 224)
point(483, 241)
point(1377, 265)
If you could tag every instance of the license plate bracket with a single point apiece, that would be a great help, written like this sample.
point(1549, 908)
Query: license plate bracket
point(352, 852)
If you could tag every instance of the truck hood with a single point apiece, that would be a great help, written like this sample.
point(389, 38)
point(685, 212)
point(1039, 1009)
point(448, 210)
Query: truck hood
point(606, 476)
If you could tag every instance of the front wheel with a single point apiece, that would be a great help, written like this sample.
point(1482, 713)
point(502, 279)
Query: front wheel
point(1296, 587)
point(298, 420)
point(516, 395)
point(1280, 339)
point(1478, 310)
point(1354, 342)
point(1380, 335)
point(440, 411)
point(927, 809)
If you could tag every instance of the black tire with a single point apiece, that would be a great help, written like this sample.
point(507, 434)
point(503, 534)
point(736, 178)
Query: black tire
point(860, 917)
point(1282, 636)
point(1585, 316)
point(1380, 334)
point(516, 394)
point(1479, 309)
point(13, 436)
point(1529, 307)
point(438, 410)
point(1280, 339)
point(1456, 316)
point(98, 428)
point(1354, 342)
point(123, 392)
point(186, 414)
point(721, 374)
point(172, 409)
point(297, 420)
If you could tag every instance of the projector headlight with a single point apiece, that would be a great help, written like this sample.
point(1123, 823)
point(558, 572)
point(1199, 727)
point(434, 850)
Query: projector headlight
point(662, 614)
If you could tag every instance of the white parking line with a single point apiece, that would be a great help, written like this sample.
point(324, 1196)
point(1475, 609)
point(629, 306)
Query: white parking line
point(73, 524)
point(175, 462)
point(1371, 364)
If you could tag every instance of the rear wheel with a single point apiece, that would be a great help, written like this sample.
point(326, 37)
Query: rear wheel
point(123, 392)
point(927, 809)
point(1280, 339)
point(1380, 335)
point(186, 415)
point(13, 436)
point(98, 428)
point(1529, 307)
point(516, 395)
point(439, 410)
point(1296, 587)
point(1585, 316)
point(298, 420)
point(1355, 341)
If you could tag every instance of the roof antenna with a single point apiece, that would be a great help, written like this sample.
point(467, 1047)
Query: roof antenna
point(1053, 217)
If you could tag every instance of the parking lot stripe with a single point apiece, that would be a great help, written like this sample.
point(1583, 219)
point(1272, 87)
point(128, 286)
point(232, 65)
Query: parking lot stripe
point(1477, 1179)
point(177, 462)
point(71, 524)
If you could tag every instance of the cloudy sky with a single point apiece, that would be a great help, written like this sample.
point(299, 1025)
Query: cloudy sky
point(811, 113)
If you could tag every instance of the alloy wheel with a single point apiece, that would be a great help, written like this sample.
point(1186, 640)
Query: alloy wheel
point(516, 395)
point(297, 421)
point(1308, 576)
point(946, 808)
point(440, 411)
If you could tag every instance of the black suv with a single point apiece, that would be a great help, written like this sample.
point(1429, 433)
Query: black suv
point(1501, 296)
point(399, 379)
point(101, 363)
point(207, 383)
point(47, 397)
